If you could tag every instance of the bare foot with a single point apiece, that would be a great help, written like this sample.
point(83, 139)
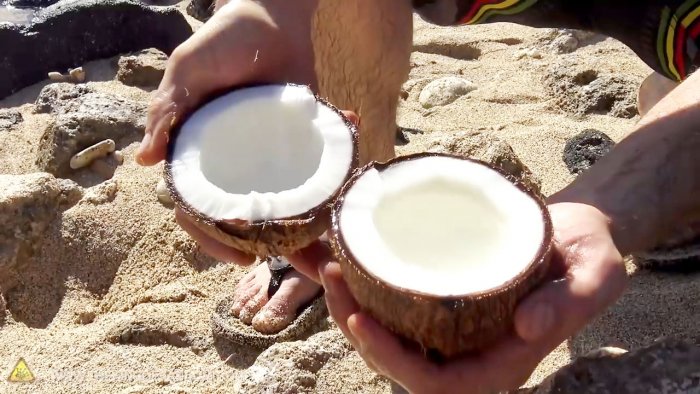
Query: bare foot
point(270, 316)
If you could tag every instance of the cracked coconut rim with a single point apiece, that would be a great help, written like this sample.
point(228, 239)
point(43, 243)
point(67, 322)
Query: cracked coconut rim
point(440, 225)
point(261, 153)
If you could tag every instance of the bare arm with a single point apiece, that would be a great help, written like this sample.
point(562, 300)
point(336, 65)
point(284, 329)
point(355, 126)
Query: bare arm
point(649, 185)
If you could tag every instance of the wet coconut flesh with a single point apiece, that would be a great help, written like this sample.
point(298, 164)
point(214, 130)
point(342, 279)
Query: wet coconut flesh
point(258, 168)
point(440, 248)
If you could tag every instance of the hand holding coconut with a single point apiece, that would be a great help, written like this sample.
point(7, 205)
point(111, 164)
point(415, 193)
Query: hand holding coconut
point(244, 43)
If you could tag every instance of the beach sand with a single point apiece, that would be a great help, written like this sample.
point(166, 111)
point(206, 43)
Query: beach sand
point(118, 299)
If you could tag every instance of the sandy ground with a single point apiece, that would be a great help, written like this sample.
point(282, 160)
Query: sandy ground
point(111, 275)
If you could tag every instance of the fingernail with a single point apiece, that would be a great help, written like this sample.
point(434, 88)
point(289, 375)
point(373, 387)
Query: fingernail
point(542, 321)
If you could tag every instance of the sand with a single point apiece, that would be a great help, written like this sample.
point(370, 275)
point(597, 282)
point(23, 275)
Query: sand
point(118, 298)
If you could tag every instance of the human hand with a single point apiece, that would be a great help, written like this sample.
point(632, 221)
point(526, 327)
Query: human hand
point(587, 275)
point(244, 42)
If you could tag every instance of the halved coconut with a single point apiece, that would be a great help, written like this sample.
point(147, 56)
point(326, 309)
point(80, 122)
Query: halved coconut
point(440, 248)
point(258, 167)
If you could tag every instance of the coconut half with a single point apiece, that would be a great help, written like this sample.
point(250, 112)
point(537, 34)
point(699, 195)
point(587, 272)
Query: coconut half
point(258, 168)
point(440, 248)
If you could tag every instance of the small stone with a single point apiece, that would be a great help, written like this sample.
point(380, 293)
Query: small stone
point(77, 75)
point(119, 157)
point(9, 118)
point(86, 156)
point(143, 68)
point(667, 366)
point(102, 193)
point(565, 43)
point(163, 194)
point(201, 9)
point(585, 149)
point(56, 76)
point(444, 91)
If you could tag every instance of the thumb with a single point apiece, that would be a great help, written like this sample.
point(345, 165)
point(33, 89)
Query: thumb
point(559, 309)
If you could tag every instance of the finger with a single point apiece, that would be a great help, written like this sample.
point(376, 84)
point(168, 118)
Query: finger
point(309, 260)
point(211, 246)
point(340, 302)
point(352, 117)
point(558, 310)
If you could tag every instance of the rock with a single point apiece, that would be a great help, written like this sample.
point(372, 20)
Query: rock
point(143, 68)
point(163, 194)
point(32, 3)
point(565, 43)
point(480, 146)
point(28, 204)
point(444, 91)
point(585, 149)
point(201, 9)
point(84, 118)
point(9, 118)
point(102, 193)
point(586, 92)
point(668, 366)
point(73, 32)
point(77, 75)
point(291, 367)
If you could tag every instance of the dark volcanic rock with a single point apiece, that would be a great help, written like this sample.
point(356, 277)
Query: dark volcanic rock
point(84, 118)
point(32, 3)
point(72, 32)
point(585, 149)
point(668, 366)
point(201, 9)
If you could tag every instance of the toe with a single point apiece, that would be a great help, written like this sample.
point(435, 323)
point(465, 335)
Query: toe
point(251, 308)
point(295, 291)
point(244, 297)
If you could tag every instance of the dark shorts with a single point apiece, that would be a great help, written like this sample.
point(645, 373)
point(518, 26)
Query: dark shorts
point(664, 33)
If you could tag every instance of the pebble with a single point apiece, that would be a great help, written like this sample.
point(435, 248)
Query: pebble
point(444, 91)
point(565, 43)
point(119, 157)
point(77, 75)
point(56, 76)
point(88, 155)
point(163, 194)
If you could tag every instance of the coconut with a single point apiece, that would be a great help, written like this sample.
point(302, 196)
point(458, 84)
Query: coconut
point(258, 168)
point(440, 248)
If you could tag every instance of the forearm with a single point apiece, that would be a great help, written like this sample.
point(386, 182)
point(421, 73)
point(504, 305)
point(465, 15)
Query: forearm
point(649, 185)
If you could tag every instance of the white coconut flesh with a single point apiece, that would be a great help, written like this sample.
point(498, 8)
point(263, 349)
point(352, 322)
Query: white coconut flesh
point(441, 226)
point(261, 153)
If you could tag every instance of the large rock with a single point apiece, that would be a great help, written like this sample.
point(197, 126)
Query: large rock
point(144, 68)
point(479, 146)
point(84, 118)
point(291, 367)
point(28, 204)
point(666, 367)
point(32, 3)
point(71, 32)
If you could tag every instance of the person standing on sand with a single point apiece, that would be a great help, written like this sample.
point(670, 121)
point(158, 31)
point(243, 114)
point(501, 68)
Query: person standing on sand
point(630, 201)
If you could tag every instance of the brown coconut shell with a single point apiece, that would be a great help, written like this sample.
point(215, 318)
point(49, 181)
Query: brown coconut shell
point(263, 238)
point(442, 326)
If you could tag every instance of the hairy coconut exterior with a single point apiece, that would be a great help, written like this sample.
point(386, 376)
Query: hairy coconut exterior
point(451, 325)
point(263, 238)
